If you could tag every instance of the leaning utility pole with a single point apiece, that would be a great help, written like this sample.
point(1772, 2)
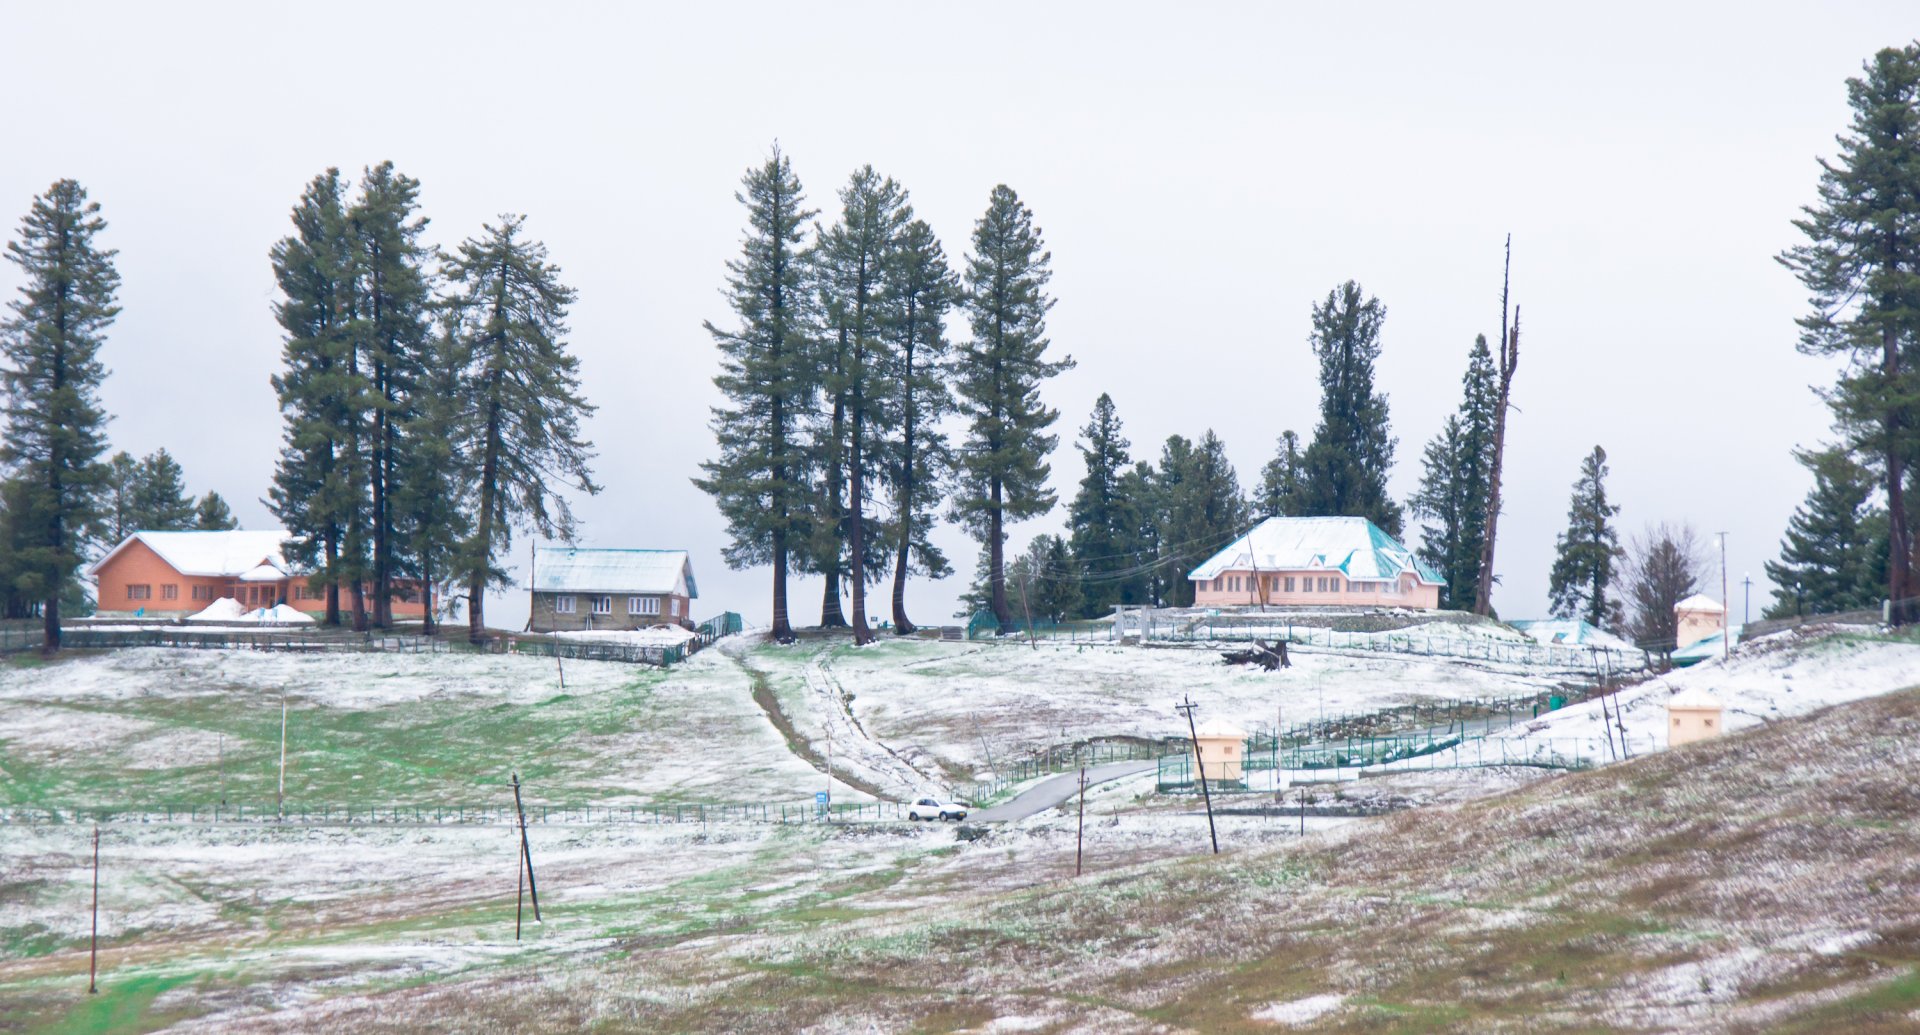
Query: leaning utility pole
point(1509, 362)
point(1080, 835)
point(1187, 707)
point(526, 862)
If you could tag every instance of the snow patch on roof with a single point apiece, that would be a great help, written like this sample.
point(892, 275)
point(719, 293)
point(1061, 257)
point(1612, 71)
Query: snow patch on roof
point(1700, 602)
point(1694, 697)
point(1570, 632)
point(567, 569)
point(225, 553)
point(1220, 728)
point(1353, 546)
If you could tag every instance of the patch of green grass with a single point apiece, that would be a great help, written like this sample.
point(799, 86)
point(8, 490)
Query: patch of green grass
point(122, 1007)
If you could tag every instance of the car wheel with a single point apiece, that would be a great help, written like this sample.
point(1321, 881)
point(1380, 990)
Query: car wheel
point(913, 817)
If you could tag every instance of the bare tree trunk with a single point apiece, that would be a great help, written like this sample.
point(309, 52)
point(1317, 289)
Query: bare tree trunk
point(1509, 362)
point(997, 561)
point(857, 537)
point(1899, 535)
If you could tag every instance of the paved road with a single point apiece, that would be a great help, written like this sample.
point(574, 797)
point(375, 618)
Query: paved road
point(1055, 789)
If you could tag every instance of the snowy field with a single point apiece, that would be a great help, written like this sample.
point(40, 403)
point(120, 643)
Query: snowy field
point(154, 725)
point(947, 706)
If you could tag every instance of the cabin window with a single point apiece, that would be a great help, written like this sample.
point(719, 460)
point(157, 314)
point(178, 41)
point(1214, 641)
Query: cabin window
point(1289, 583)
point(673, 606)
point(169, 592)
point(142, 592)
point(603, 605)
point(1336, 584)
point(203, 592)
point(563, 605)
point(643, 605)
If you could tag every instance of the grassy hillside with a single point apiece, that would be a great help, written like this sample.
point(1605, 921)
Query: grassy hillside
point(1762, 882)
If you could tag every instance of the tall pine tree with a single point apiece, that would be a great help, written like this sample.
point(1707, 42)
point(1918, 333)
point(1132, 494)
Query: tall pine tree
point(1353, 445)
point(1455, 483)
point(393, 303)
point(1004, 461)
point(851, 263)
point(55, 426)
point(1101, 519)
point(1861, 268)
point(1201, 508)
point(760, 481)
point(1582, 581)
point(318, 492)
point(920, 290)
point(1282, 480)
point(519, 436)
point(1833, 557)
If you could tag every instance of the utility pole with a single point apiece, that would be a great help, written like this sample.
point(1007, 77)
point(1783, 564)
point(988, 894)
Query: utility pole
point(223, 769)
point(1746, 599)
point(1080, 835)
point(829, 774)
point(93, 951)
point(1726, 602)
point(280, 798)
point(1187, 707)
point(526, 862)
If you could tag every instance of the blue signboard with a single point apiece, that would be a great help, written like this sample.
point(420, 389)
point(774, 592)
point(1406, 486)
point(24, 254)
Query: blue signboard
point(819, 797)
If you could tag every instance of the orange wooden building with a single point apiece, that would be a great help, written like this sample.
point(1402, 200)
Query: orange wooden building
point(177, 574)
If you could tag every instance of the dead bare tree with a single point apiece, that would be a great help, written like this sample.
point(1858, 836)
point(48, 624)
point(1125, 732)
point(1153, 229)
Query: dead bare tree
point(1509, 362)
point(1665, 565)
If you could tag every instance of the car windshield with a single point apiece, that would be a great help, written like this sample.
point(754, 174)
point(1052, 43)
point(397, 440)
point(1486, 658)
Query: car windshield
point(928, 801)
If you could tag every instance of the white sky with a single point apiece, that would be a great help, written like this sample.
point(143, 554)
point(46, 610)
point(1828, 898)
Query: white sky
point(1201, 177)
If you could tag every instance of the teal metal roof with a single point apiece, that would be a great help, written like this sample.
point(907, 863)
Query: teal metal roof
point(1353, 546)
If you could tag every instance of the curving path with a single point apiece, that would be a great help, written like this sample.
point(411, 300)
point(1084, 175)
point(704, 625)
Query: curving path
point(1056, 789)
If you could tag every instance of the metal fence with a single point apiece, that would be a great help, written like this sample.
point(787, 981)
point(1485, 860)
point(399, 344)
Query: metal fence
point(1064, 759)
point(21, 636)
point(1206, 627)
point(320, 640)
point(301, 814)
point(1398, 754)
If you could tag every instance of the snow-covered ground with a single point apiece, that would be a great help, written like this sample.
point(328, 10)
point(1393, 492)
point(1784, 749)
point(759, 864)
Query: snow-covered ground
point(658, 636)
point(387, 729)
point(1769, 678)
point(943, 705)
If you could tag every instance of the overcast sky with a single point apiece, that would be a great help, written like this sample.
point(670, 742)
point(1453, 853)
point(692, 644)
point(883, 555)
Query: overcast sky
point(1202, 178)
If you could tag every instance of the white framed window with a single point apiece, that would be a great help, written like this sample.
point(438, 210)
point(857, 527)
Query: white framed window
point(144, 592)
point(603, 605)
point(1289, 583)
point(673, 606)
point(563, 605)
point(643, 605)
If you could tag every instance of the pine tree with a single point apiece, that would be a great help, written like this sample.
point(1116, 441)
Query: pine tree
point(1353, 445)
point(1581, 583)
point(851, 263)
point(1100, 518)
point(211, 514)
point(318, 491)
point(145, 495)
point(760, 481)
point(1454, 485)
point(1861, 268)
point(161, 498)
point(55, 426)
point(433, 500)
point(920, 289)
point(120, 513)
point(518, 431)
point(1004, 460)
point(1833, 556)
point(1201, 508)
point(393, 306)
point(1281, 480)
point(1152, 575)
point(1046, 586)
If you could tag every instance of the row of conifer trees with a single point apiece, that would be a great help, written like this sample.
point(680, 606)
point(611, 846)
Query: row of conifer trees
point(431, 405)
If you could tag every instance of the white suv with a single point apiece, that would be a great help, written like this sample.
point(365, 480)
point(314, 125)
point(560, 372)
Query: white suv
point(934, 808)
